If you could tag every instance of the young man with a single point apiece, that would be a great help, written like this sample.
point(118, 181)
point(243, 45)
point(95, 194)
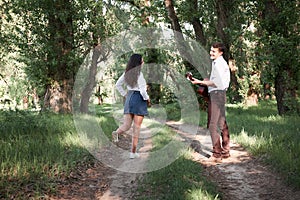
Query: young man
point(217, 86)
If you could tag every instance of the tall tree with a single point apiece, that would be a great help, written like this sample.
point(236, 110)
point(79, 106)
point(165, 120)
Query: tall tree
point(281, 44)
point(46, 42)
point(54, 37)
point(224, 10)
point(14, 85)
point(195, 21)
point(178, 33)
point(100, 30)
point(91, 81)
point(59, 58)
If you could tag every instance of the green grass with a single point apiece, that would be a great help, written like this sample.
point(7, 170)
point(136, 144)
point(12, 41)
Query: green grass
point(268, 135)
point(36, 150)
point(182, 179)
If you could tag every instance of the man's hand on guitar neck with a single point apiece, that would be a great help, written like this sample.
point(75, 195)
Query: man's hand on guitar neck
point(196, 81)
point(193, 80)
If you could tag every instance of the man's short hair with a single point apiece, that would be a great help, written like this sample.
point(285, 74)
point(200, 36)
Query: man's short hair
point(219, 45)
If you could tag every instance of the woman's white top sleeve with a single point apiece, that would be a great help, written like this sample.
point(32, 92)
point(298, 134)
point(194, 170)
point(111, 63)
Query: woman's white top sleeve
point(119, 85)
point(142, 86)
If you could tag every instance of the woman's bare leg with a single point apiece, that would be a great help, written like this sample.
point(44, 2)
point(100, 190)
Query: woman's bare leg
point(124, 127)
point(126, 124)
point(137, 120)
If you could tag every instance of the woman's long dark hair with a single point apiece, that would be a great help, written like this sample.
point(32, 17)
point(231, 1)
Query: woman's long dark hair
point(133, 69)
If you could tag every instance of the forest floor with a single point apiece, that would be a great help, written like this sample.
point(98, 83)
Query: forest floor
point(238, 177)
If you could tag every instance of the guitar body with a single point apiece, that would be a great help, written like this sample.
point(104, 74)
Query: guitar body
point(202, 90)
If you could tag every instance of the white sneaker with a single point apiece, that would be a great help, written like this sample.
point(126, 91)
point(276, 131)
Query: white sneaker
point(133, 155)
point(115, 136)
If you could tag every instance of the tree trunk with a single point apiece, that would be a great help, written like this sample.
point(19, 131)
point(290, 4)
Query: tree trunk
point(177, 30)
point(58, 96)
point(61, 67)
point(223, 8)
point(223, 11)
point(285, 92)
point(197, 26)
point(286, 81)
point(88, 89)
point(145, 15)
point(173, 17)
point(180, 41)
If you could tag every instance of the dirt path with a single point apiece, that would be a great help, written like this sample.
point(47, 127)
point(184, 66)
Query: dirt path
point(124, 182)
point(238, 177)
point(244, 177)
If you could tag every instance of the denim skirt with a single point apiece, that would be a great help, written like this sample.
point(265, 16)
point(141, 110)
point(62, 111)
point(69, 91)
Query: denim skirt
point(135, 104)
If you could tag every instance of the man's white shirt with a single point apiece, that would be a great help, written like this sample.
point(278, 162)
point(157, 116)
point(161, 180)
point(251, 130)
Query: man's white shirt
point(220, 74)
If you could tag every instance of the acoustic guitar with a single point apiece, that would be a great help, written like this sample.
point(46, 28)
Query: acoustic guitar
point(202, 90)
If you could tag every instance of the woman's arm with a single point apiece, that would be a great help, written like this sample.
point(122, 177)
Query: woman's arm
point(143, 86)
point(119, 85)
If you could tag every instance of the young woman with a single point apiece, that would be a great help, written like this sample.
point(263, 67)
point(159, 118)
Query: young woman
point(137, 100)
